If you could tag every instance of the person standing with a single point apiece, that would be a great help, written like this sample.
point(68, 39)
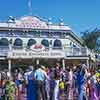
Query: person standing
point(41, 76)
point(57, 76)
point(19, 80)
point(82, 82)
point(75, 85)
point(31, 84)
point(52, 83)
point(61, 89)
point(70, 88)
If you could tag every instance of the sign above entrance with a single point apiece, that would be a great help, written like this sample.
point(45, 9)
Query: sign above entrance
point(32, 54)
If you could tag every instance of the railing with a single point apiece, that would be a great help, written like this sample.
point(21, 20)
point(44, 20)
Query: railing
point(4, 50)
point(69, 51)
point(74, 51)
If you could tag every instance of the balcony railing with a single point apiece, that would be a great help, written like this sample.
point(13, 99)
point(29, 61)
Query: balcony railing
point(74, 51)
point(4, 50)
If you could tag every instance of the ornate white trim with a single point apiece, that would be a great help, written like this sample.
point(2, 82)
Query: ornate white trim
point(34, 23)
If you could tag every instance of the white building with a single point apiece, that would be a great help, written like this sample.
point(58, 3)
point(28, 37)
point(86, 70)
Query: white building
point(30, 40)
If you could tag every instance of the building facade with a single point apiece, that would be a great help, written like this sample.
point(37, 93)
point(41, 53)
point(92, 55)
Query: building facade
point(31, 40)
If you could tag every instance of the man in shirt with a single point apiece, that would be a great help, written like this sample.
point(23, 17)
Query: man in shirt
point(41, 76)
point(31, 84)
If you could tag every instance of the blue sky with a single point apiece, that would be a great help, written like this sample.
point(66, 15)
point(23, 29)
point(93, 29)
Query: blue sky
point(80, 15)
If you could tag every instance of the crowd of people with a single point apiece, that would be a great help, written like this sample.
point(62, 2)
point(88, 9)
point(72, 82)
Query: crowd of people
point(52, 83)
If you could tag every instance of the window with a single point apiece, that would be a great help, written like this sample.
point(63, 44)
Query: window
point(44, 34)
point(45, 42)
point(31, 42)
point(57, 44)
point(18, 42)
point(4, 42)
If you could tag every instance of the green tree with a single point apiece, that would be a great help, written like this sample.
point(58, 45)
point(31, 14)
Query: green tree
point(90, 38)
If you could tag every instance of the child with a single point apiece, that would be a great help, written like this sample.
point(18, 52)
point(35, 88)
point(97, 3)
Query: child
point(61, 87)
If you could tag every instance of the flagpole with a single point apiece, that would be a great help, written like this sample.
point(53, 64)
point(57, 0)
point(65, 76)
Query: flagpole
point(30, 7)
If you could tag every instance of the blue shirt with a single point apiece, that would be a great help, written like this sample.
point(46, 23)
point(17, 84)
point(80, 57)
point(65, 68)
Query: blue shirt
point(40, 74)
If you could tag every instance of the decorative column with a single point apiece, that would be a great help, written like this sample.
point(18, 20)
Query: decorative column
point(9, 60)
point(87, 62)
point(63, 63)
point(9, 66)
point(37, 61)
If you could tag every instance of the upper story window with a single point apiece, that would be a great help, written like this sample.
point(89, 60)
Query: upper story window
point(17, 33)
point(31, 33)
point(44, 34)
point(74, 45)
point(56, 34)
point(64, 35)
point(18, 42)
point(4, 33)
point(31, 42)
point(57, 44)
point(4, 42)
point(45, 42)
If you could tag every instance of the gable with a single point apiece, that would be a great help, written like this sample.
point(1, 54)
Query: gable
point(30, 22)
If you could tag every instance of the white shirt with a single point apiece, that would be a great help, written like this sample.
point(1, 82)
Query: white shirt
point(29, 75)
